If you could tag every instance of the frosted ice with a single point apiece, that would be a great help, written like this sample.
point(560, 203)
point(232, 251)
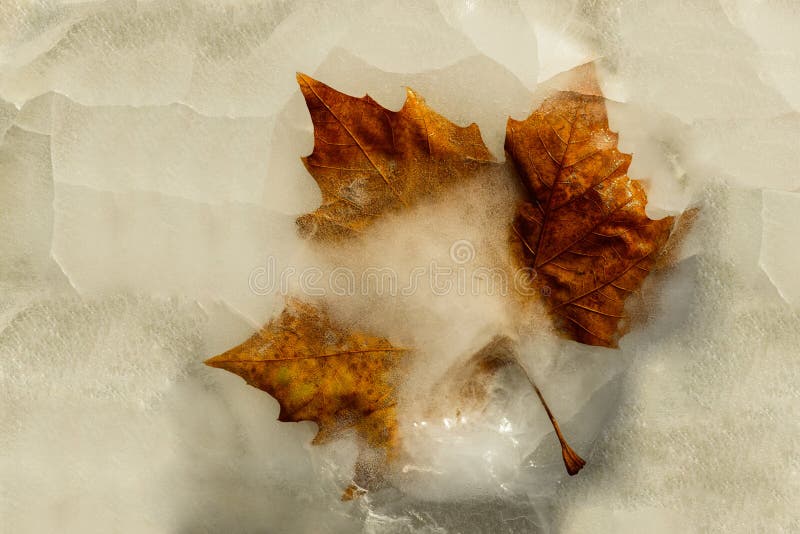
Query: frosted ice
point(170, 150)
point(143, 241)
point(686, 58)
point(758, 152)
point(771, 26)
point(26, 216)
point(779, 242)
point(561, 35)
point(149, 165)
point(86, 53)
point(501, 31)
point(395, 36)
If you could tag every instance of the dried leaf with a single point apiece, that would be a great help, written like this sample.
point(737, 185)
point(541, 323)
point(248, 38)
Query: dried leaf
point(369, 160)
point(583, 229)
point(320, 371)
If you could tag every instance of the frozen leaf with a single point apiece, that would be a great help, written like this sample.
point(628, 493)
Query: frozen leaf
point(369, 160)
point(583, 229)
point(320, 371)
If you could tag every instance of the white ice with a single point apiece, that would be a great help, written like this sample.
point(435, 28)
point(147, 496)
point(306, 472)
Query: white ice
point(149, 165)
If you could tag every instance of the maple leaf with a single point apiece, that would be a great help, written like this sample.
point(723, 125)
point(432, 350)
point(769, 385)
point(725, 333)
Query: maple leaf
point(368, 160)
point(320, 371)
point(583, 229)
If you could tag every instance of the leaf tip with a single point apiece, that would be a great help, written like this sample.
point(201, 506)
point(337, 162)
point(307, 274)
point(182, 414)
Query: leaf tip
point(226, 360)
point(413, 99)
point(215, 361)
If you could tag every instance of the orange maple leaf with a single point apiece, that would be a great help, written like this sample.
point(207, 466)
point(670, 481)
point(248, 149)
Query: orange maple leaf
point(369, 160)
point(320, 371)
point(583, 229)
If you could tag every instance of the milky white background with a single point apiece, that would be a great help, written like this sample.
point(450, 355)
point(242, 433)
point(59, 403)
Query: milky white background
point(149, 161)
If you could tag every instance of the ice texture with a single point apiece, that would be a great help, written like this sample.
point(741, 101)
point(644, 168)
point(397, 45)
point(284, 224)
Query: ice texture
point(150, 166)
point(780, 242)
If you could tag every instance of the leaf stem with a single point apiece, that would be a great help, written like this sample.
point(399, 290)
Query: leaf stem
point(572, 461)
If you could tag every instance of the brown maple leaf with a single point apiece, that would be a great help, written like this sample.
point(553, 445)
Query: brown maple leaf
point(369, 160)
point(583, 229)
point(320, 371)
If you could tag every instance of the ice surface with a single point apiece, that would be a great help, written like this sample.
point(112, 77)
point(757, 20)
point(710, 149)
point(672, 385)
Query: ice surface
point(562, 34)
point(169, 150)
point(86, 53)
point(26, 216)
point(709, 413)
point(686, 58)
point(771, 26)
point(501, 31)
point(149, 166)
point(191, 248)
point(780, 242)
